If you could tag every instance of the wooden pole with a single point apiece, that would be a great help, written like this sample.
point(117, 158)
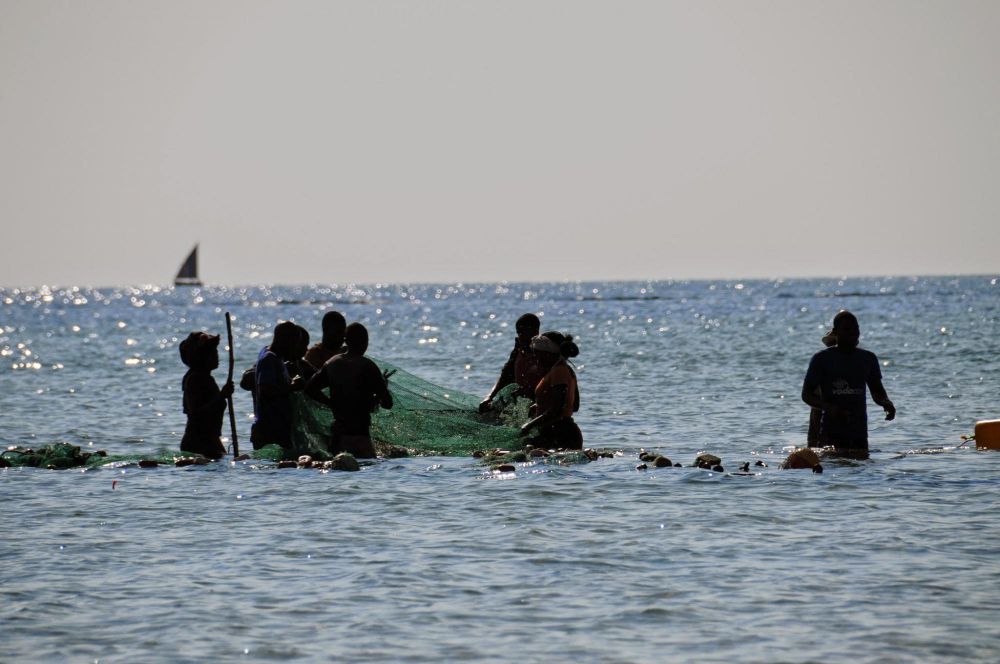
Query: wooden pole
point(229, 399)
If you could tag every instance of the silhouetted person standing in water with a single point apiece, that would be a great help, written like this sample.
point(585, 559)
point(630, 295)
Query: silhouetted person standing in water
point(556, 395)
point(204, 402)
point(273, 387)
point(522, 367)
point(835, 383)
point(332, 343)
point(357, 387)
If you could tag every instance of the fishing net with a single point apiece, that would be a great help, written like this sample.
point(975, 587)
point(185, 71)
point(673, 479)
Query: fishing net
point(54, 456)
point(425, 419)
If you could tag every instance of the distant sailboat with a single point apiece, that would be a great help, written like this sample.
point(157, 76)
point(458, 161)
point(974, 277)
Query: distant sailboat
point(188, 274)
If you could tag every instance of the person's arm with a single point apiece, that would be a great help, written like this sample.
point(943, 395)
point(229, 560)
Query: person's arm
point(811, 393)
point(314, 388)
point(880, 397)
point(505, 379)
point(812, 396)
point(312, 358)
point(385, 397)
point(248, 381)
point(551, 414)
point(297, 381)
point(305, 369)
point(380, 381)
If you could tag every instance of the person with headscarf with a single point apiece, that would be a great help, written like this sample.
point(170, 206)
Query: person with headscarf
point(557, 396)
point(204, 403)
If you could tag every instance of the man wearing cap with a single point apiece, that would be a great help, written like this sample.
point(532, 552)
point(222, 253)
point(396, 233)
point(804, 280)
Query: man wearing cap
point(204, 403)
point(835, 383)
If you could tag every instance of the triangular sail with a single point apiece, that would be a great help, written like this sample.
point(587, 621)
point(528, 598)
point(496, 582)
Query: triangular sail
point(188, 274)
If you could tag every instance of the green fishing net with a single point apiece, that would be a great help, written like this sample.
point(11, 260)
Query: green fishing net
point(425, 419)
point(55, 456)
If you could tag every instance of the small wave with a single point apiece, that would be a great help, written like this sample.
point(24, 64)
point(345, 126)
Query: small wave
point(325, 303)
point(617, 298)
point(856, 294)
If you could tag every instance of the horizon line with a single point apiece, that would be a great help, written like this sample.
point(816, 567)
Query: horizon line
point(379, 284)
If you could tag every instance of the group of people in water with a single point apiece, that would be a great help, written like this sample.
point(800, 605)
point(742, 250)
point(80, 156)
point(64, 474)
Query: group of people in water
point(335, 372)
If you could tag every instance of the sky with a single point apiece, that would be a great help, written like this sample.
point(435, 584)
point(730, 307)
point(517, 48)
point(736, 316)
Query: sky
point(361, 142)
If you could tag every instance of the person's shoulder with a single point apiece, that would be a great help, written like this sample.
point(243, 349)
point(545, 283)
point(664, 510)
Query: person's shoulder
point(561, 371)
point(868, 356)
point(266, 357)
point(314, 355)
point(334, 361)
point(822, 355)
point(343, 362)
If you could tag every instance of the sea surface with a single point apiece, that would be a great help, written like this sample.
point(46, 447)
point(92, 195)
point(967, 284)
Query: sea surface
point(433, 559)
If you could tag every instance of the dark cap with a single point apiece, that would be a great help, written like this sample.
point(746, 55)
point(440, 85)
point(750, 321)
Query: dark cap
point(195, 343)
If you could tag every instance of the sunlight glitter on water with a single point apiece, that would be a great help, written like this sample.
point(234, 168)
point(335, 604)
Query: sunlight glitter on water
point(610, 563)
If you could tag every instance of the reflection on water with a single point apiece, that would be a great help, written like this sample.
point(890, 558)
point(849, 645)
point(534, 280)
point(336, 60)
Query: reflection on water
point(423, 560)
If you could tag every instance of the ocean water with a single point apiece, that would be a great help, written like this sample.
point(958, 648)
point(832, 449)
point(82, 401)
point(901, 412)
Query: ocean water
point(429, 559)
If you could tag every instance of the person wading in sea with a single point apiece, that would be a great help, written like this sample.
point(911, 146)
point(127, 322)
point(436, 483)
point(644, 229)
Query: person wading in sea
point(357, 387)
point(835, 383)
point(522, 367)
point(273, 387)
point(556, 395)
point(204, 402)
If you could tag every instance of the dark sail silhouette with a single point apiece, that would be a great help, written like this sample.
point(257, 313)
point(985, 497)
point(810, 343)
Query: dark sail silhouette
point(188, 274)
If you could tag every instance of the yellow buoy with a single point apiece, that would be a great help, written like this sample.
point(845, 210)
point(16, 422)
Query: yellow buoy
point(988, 435)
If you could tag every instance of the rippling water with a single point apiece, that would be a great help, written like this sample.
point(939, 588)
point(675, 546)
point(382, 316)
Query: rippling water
point(434, 559)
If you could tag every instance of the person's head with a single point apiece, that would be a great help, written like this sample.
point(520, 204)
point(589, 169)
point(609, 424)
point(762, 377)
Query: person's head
point(527, 327)
point(552, 346)
point(200, 350)
point(846, 329)
point(287, 339)
point(334, 325)
point(356, 336)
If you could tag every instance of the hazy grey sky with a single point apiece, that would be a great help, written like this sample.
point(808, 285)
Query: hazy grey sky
point(400, 141)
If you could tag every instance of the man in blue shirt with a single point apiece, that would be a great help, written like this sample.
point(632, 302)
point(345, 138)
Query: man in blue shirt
point(835, 383)
point(273, 387)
